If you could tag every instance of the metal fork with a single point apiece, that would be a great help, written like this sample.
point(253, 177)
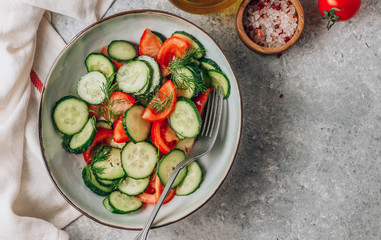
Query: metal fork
point(204, 143)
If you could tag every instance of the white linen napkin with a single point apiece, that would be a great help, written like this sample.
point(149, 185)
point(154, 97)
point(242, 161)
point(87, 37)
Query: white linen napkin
point(30, 206)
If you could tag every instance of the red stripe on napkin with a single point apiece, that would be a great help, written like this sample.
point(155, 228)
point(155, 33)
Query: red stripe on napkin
point(36, 81)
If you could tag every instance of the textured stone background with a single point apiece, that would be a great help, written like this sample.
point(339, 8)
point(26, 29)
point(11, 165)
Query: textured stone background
point(309, 164)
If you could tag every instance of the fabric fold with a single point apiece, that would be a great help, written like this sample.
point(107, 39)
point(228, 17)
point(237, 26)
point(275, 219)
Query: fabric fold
point(30, 206)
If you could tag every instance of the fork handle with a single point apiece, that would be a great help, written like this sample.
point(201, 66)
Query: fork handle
point(143, 234)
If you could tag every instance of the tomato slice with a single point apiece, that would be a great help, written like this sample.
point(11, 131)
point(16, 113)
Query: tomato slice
point(149, 44)
point(154, 190)
point(102, 136)
point(164, 92)
point(117, 64)
point(119, 135)
point(163, 137)
point(201, 100)
point(120, 102)
point(173, 47)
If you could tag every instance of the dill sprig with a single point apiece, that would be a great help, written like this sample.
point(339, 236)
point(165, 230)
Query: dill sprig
point(145, 99)
point(66, 143)
point(100, 153)
point(114, 112)
point(106, 109)
point(159, 104)
point(188, 58)
point(182, 80)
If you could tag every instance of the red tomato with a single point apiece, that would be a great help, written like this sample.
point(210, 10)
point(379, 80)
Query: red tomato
point(152, 194)
point(117, 64)
point(173, 47)
point(119, 134)
point(102, 136)
point(338, 10)
point(120, 102)
point(164, 92)
point(163, 137)
point(201, 100)
point(149, 44)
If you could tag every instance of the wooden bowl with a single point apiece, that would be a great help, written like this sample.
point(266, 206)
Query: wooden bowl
point(265, 50)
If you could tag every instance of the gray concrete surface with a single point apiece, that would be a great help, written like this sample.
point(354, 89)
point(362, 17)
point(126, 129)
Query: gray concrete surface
point(309, 165)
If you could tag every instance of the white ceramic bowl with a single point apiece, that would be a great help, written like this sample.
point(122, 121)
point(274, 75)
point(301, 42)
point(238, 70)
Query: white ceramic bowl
point(65, 168)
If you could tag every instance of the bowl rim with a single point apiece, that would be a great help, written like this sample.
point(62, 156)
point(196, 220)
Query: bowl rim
point(265, 50)
point(71, 42)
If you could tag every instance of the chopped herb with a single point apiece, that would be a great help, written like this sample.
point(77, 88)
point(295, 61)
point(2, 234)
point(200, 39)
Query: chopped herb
point(187, 59)
point(98, 170)
point(66, 143)
point(158, 104)
point(116, 182)
point(367, 45)
point(100, 153)
point(106, 109)
point(145, 99)
point(182, 80)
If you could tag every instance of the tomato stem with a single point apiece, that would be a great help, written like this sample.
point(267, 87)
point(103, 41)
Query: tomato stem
point(331, 17)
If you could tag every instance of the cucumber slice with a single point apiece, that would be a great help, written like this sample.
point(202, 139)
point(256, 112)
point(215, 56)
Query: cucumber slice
point(111, 168)
point(205, 78)
point(135, 126)
point(185, 82)
point(209, 64)
point(91, 182)
point(103, 124)
point(193, 42)
point(83, 140)
point(121, 203)
point(70, 115)
point(161, 37)
point(121, 51)
point(180, 137)
point(133, 187)
point(156, 72)
point(116, 145)
point(220, 79)
point(139, 159)
point(185, 119)
point(199, 77)
point(101, 63)
point(134, 76)
point(106, 204)
point(168, 163)
point(192, 181)
point(91, 87)
point(107, 183)
point(147, 87)
point(185, 144)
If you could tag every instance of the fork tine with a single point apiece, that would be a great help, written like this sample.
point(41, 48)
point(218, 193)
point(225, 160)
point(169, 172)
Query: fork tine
point(207, 114)
point(211, 113)
point(218, 115)
point(216, 111)
point(213, 109)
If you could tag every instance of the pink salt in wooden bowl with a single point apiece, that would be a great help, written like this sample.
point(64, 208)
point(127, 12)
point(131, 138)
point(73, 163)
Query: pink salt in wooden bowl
point(268, 50)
